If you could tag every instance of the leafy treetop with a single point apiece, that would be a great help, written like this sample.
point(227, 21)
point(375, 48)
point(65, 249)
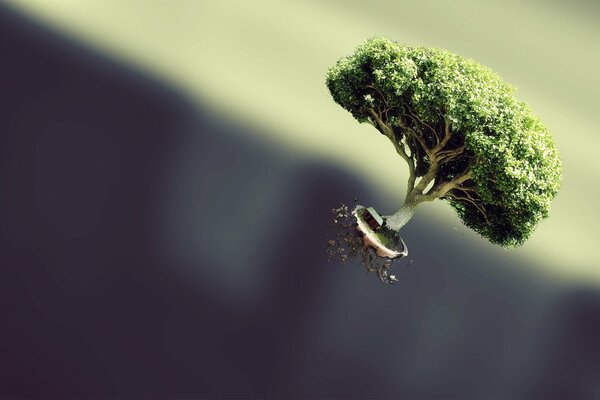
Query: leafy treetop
point(460, 129)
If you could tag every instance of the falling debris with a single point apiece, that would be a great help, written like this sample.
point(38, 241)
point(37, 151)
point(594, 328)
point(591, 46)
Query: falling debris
point(350, 246)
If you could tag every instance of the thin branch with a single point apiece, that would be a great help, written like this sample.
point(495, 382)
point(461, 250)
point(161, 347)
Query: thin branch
point(445, 156)
point(478, 205)
point(468, 191)
point(464, 177)
point(416, 117)
point(399, 146)
point(417, 136)
point(380, 93)
point(455, 151)
point(412, 177)
point(387, 118)
point(411, 142)
point(447, 137)
point(442, 188)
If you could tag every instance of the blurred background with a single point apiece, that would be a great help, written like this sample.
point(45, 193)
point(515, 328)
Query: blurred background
point(167, 171)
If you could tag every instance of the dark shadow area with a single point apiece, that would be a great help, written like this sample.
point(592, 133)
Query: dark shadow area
point(150, 249)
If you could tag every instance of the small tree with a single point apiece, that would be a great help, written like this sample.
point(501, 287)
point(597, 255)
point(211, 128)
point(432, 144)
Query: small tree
point(464, 135)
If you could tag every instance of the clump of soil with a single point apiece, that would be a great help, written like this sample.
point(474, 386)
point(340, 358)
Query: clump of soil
point(386, 242)
point(346, 244)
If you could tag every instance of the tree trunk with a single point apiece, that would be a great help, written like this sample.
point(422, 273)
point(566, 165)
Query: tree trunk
point(403, 215)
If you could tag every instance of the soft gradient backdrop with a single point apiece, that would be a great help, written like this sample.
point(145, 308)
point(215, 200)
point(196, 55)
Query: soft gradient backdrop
point(263, 63)
point(167, 170)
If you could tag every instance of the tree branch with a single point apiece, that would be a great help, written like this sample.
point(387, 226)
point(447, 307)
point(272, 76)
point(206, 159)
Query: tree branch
point(426, 180)
point(477, 204)
point(399, 146)
point(379, 92)
point(419, 138)
point(442, 188)
point(447, 136)
point(413, 115)
point(445, 156)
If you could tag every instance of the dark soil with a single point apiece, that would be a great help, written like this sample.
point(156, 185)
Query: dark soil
point(346, 245)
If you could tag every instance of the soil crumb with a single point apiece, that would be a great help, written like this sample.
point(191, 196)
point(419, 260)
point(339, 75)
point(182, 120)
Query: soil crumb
point(346, 245)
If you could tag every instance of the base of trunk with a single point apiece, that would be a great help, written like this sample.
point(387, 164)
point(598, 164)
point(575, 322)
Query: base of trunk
point(370, 239)
point(399, 219)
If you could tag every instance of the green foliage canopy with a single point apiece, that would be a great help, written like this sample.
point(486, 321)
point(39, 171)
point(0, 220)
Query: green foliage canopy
point(459, 126)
